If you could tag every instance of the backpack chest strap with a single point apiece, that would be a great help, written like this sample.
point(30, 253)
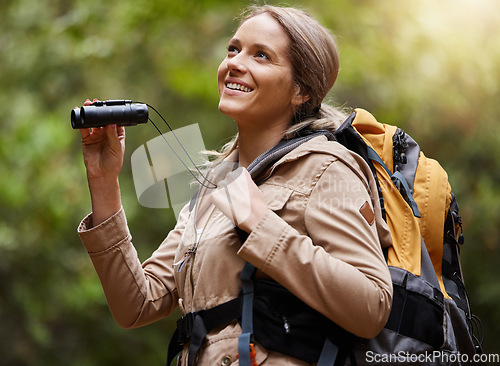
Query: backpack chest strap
point(193, 327)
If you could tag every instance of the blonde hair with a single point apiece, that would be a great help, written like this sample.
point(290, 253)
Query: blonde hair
point(315, 66)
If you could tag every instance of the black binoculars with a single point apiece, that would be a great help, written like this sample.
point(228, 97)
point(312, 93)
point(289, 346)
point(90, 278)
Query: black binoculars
point(102, 113)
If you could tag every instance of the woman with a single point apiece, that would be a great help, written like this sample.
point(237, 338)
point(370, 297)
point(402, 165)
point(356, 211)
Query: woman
point(312, 216)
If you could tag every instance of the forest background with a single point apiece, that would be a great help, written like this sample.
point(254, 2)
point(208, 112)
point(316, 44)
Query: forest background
point(430, 67)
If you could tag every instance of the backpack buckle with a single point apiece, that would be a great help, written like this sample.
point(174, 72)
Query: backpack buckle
point(185, 327)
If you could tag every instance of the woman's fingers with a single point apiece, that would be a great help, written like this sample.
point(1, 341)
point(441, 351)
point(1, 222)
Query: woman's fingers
point(85, 132)
point(239, 199)
point(115, 135)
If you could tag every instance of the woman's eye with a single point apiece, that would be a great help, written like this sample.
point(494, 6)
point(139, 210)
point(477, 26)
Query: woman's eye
point(232, 50)
point(263, 55)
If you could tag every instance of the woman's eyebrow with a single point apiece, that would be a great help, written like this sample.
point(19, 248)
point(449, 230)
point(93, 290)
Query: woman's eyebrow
point(234, 41)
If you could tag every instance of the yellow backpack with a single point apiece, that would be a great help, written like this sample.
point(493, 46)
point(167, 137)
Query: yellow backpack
point(431, 310)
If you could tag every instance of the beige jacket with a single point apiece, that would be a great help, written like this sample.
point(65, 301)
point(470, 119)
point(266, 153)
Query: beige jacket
point(319, 239)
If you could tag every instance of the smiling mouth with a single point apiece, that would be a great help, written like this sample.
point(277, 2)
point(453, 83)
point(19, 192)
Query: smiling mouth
point(234, 86)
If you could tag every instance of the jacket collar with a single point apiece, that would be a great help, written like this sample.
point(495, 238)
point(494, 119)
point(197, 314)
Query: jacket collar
point(300, 151)
point(286, 150)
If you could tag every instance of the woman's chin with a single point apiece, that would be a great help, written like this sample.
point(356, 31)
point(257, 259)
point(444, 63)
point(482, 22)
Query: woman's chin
point(229, 111)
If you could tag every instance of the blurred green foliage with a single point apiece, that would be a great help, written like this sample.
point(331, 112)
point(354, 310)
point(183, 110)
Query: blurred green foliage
point(431, 67)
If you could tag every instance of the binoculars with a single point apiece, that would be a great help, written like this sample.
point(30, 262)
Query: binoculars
point(102, 113)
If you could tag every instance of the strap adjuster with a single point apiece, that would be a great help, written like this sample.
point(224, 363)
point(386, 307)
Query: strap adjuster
point(185, 327)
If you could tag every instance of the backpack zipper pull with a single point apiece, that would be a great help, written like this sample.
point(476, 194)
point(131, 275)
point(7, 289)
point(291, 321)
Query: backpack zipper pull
point(457, 219)
point(399, 146)
point(286, 325)
point(461, 236)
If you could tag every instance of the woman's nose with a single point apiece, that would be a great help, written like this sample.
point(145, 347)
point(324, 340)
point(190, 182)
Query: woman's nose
point(237, 63)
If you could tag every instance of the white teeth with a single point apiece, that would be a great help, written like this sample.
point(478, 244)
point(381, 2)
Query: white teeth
point(235, 86)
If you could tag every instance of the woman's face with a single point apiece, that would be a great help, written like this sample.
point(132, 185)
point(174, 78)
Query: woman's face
point(255, 79)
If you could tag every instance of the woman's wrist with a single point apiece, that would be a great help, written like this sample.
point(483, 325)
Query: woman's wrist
point(105, 197)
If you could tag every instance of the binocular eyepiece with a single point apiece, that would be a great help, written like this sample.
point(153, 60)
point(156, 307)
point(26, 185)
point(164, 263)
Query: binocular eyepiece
point(102, 113)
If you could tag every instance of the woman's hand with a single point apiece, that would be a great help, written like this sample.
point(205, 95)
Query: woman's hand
point(240, 199)
point(103, 151)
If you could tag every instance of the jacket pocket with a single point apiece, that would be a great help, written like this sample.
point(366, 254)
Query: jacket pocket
point(275, 196)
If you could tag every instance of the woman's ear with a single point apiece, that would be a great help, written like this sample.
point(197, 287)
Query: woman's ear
point(299, 98)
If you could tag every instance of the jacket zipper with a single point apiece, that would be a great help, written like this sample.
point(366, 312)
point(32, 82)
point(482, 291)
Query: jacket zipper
point(193, 252)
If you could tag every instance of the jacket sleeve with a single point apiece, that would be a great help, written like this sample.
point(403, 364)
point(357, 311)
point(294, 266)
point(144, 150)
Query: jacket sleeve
point(337, 267)
point(136, 294)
